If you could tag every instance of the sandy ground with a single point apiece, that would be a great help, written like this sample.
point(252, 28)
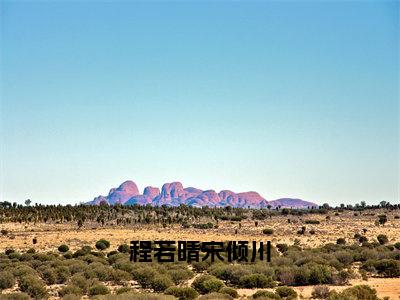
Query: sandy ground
point(50, 236)
point(385, 287)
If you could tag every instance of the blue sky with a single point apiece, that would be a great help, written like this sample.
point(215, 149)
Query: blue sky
point(290, 99)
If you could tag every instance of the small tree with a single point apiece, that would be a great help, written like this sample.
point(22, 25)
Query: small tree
point(382, 219)
point(63, 248)
point(341, 241)
point(286, 292)
point(80, 223)
point(102, 244)
point(382, 239)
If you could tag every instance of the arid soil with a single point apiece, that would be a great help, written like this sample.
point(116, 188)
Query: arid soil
point(49, 236)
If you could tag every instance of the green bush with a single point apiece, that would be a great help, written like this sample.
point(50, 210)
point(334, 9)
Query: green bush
point(7, 280)
point(205, 284)
point(382, 239)
point(63, 248)
point(180, 275)
point(382, 219)
point(124, 248)
point(201, 265)
point(320, 274)
point(320, 292)
point(9, 251)
point(80, 281)
point(268, 231)
point(229, 273)
point(286, 292)
point(160, 283)
point(119, 276)
point(15, 296)
point(63, 274)
point(256, 281)
point(341, 241)
point(33, 286)
point(282, 247)
point(82, 252)
point(344, 257)
point(70, 290)
point(123, 290)
point(230, 291)
point(144, 275)
point(213, 285)
point(265, 295)
point(388, 267)
point(102, 244)
point(397, 245)
point(49, 275)
point(363, 292)
point(98, 289)
point(182, 293)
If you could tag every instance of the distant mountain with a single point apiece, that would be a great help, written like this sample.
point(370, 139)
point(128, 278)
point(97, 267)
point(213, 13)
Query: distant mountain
point(292, 202)
point(174, 194)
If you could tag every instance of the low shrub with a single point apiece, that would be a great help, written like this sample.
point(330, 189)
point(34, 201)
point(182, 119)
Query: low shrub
point(15, 296)
point(98, 289)
point(230, 273)
point(397, 245)
point(320, 274)
point(286, 292)
point(63, 274)
point(256, 281)
point(180, 275)
point(382, 239)
point(388, 267)
point(63, 248)
point(341, 241)
point(123, 290)
point(119, 276)
point(207, 284)
point(265, 295)
point(160, 283)
point(7, 280)
point(49, 275)
point(144, 275)
point(320, 292)
point(70, 290)
point(182, 293)
point(355, 292)
point(124, 248)
point(230, 291)
point(80, 281)
point(268, 231)
point(282, 247)
point(102, 244)
point(33, 286)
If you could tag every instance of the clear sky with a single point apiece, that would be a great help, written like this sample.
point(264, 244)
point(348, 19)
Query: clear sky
point(285, 98)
